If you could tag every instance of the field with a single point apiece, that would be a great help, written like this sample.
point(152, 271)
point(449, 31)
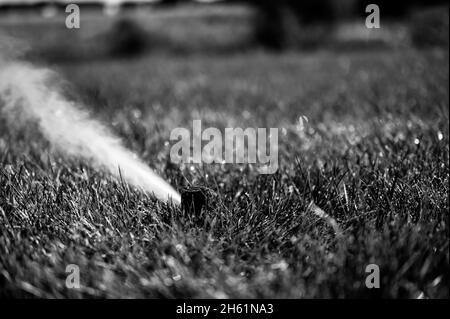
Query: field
point(365, 181)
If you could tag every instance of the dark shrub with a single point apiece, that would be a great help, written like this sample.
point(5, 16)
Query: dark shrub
point(269, 28)
point(128, 38)
point(430, 27)
point(282, 24)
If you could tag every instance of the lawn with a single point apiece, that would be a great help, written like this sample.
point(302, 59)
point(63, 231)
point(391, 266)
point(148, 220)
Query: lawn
point(364, 181)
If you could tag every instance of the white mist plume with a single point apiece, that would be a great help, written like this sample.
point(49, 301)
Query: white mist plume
point(25, 90)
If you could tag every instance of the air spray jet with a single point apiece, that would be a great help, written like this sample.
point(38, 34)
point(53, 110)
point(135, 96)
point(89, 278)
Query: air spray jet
point(31, 92)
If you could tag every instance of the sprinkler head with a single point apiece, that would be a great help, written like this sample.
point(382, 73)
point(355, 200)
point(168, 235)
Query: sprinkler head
point(193, 200)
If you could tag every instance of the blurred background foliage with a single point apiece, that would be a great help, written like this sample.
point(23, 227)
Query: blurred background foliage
point(187, 27)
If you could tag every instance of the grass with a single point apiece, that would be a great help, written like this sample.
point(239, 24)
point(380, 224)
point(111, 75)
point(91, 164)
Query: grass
point(374, 157)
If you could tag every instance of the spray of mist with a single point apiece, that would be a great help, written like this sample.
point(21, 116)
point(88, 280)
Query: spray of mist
point(29, 92)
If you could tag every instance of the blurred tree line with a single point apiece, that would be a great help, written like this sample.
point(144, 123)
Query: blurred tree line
point(278, 22)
